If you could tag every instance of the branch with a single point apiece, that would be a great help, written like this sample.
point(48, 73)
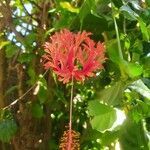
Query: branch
point(26, 11)
point(19, 36)
point(35, 4)
point(2, 76)
point(6, 10)
point(19, 52)
point(23, 18)
point(21, 97)
point(118, 38)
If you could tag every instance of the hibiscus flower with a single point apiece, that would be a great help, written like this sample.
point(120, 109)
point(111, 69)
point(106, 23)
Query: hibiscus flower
point(73, 55)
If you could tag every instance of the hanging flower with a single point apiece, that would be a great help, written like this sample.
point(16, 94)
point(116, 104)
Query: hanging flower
point(70, 143)
point(73, 55)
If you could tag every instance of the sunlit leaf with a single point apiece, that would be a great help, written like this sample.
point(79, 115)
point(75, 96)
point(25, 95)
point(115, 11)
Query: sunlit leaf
point(69, 7)
point(144, 30)
point(112, 95)
point(133, 136)
point(140, 111)
point(141, 88)
point(4, 43)
point(129, 13)
point(135, 4)
point(103, 116)
point(132, 69)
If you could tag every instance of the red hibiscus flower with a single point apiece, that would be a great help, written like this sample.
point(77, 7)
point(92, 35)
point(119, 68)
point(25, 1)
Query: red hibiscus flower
point(73, 55)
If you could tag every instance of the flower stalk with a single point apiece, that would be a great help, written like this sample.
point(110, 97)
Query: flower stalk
point(70, 116)
point(118, 39)
point(117, 32)
point(73, 57)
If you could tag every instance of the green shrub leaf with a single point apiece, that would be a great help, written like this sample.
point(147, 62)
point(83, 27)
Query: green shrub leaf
point(103, 116)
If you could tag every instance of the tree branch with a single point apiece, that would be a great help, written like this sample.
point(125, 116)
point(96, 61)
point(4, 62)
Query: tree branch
point(21, 97)
point(19, 36)
point(35, 4)
point(26, 11)
point(2, 77)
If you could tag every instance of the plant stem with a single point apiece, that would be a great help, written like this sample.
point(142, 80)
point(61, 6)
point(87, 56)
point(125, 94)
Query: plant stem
point(124, 25)
point(118, 39)
point(71, 100)
point(117, 32)
point(70, 115)
point(81, 24)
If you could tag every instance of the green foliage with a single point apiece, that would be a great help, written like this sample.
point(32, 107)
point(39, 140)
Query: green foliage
point(133, 70)
point(37, 110)
point(128, 12)
point(144, 29)
point(11, 50)
point(67, 5)
point(133, 136)
point(8, 127)
point(104, 116)
point(112, 95)
point(141, 88)
point(123, 84)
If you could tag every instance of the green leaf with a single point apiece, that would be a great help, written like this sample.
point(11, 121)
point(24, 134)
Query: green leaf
point(8, 129)
point(32, 75)
point(42, 93)
point(136, 5)
point(11, 50)
point(92, 135)
point(112, 95)
point(37, 110)
point(109, 137)
point(148, 2)
point(4, 43)
point(112, 49)
point(133, 136)
point(132, 69)
point(104, 116)
point(140, 111)
point(144, 29)
point(26, 57)
point(146, 64)
point(65, 20)
point(137, 47)
point(69, 7)
point(127, 43)
point(141, 88)
point(99, 7)
point(29, 39)
point(96, 25)
point(129, 13)
point(85, 9)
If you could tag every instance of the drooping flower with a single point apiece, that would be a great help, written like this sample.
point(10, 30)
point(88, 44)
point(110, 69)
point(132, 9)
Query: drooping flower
point(73, 55)
point(70, 143)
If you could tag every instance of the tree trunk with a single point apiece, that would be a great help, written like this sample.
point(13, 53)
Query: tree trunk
point(2, 77)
